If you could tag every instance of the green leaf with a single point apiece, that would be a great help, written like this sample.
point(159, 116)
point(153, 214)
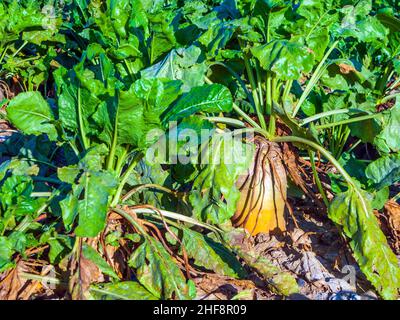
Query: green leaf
point(69, 209)
point(68, 174)
point(162, 33)
point(352, 211)
point(91, 254)
point(4, 168)
point(216, 37)
point(141, 107)
point(214, 194)
point(6, 252)
point(127, 290)
point(26, 17)
point(381, 196)
point(208, 98)
point(59, 248)
point(385, 171)
point(77, 91)
point(31, 114)
point(314, 27)
point(389, 138)
point(358, 23)
point(287, 59)
point(390, 22)
point(367, 130)
point(211, 255)
point(180, 64)
point(158, 272)
point(120, 12)
point(353, 166)
point(96, 189)
point(40, 36)
point(15, 195)
point(90, 164)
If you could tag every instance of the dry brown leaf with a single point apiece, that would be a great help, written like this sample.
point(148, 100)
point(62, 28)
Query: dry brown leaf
point(392, 211)
point(213, 286)
point(89, 273)
point(293, 167)
point(346, 69)
point(12, 284)
point(36, 286)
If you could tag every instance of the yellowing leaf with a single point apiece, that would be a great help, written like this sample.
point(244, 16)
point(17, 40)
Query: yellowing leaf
point(352, 211)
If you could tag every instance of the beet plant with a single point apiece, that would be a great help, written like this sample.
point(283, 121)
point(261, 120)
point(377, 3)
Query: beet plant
point(152, 138)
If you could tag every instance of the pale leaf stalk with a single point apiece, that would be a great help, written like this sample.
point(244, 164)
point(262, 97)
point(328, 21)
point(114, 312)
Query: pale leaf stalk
point(314, 79)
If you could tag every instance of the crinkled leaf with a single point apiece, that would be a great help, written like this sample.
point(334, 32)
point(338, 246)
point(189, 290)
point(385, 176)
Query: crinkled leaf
point(314, 26)
point(158, 272)
point(180, 64)
point(211, 255)
point(358, 23)
point(287, 59)
point(140, 109)
point(216, 37)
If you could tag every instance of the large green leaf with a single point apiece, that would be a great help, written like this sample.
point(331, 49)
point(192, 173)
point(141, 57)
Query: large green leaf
point(352, 211)
point(6, 252)
point(180, 64)
point(120, 12)
point(208, 98)
point(158, 272)
point(389, 138)
point(15, 195)
point(287, 59)
point(31, 114)
point(40, 36)
point(69, 207)
point(29, 19)
point(216, 37)
point(127, 290)
point(162, 37)
point(368, 131)
point(210, 254)
point(140, 109)
point(314, 26)
point(358, 23)
point(385, 171)
point(89, 201)
point(71, 97)
point(214, 194)
point(271, 15)
point(60, 247)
